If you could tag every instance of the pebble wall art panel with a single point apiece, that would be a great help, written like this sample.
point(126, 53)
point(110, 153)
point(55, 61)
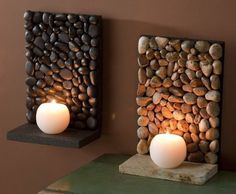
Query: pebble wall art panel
point(64, 64)
point(180, 92)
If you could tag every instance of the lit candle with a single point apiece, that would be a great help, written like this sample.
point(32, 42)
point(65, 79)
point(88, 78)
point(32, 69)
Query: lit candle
point(168, 150)
point(52, 118)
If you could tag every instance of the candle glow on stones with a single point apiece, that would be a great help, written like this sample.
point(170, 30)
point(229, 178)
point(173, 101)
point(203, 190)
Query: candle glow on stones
point(52, 117)
point(168, 150)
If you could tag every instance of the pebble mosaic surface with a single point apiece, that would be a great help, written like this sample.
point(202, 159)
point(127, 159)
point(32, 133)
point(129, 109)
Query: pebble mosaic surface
point(63, 59)
point(179, 91)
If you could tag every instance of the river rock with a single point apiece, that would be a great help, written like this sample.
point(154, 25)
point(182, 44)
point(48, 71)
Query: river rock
point(169, 105)
point(206, 82)
point(183, 125)
point(187, 88)
point(152, 44)
point(150, 106)
point(161, 42)
point(142, 76)
point(216, 51)
point(177, 83)
point(217, 67)
point(193, 128)
point(204, 125)
point(189, 117)
point(175, 99)
point(193, 65)
point(141, 90)
point(176, 91)
point(184, 78)
point(186, 108)
point(173, 124)
point(162, 72)
point(177, 106)
point(214, 146)
point(154, 64)
point(187, 45)
point(143, 101)
point(66, 74)
point(142, 147)
point(196, 157)
point(202, 46)
point(73, 46)
point(166, 113)
point(199, 74)
point(212, 134)
point(167, 82)
point(170, 69)
point(93, 30)
point(204, 146)
point(211, 158)
point(202, 136)
point(152, 127)
point(190, 98)
point(214, 122)
point(195, 138)
point(178, 115)
point(30, 81)
point(196, 83)
point(143, 44)
point(199, 91)
point(192, 147)
point(213, 95)
point(142, 132)
point(156, 98)
point(29, 68)
point(151, 115)
point(206, 68)
point(204, 114)
point(215, 82)
point(149, 72)
point(143, 61)
point(201, 102)
point(149, 91)
point(142, 111)
point(190, 73)
point(155, 82)
point(163, 62)
point(143, 121)
point(187, 137)
point(172, 56)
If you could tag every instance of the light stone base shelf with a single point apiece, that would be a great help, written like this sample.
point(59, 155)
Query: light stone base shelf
point(188, 172)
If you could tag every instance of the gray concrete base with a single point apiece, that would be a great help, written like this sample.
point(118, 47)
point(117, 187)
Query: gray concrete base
point(188, 172)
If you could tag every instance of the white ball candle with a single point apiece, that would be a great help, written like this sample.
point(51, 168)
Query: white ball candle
point(52, 118)
point(168, 150)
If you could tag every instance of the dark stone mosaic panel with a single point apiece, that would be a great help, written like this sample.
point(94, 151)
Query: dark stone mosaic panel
point(64, 64)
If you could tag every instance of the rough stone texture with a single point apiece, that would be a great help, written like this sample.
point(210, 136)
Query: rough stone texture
point(63, 64)
point(188, 172)
point(179, 91)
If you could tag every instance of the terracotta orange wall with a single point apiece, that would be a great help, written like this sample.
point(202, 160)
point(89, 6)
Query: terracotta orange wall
point(27, 168)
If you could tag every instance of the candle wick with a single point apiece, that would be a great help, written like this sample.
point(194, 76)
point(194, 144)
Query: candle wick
point(168, 131)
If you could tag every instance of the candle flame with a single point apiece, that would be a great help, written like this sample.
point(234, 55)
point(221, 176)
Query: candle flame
point(53, 101)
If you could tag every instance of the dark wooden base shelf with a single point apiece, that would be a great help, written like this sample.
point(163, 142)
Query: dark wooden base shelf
point(75, 138)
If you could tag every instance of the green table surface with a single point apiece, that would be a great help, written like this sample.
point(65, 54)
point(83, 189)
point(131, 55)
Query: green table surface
point(102, 176)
